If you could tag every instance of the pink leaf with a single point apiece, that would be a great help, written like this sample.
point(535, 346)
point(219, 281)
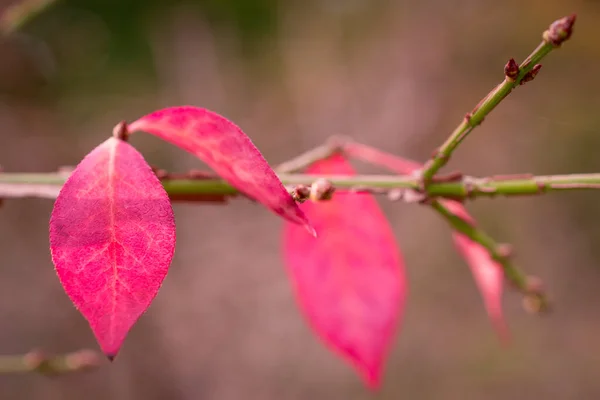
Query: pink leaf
point(487, 273)
point(227, 150)
point(350, 281)
point(112, 238)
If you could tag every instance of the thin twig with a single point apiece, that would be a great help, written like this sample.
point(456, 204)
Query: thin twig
point(47, 185)
point(310, 157)
point(37, 361)
point(553, 37)
point(535, 298)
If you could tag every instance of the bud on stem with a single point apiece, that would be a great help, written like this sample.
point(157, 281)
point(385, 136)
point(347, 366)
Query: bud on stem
point(531, 74)
point(511, 70)
point(321, 189)
point(121, 131)
point(560, 30)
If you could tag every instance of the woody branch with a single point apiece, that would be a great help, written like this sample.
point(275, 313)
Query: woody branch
point(425, 187)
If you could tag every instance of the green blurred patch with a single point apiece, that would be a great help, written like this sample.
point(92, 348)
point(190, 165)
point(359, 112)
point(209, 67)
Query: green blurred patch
point(104, 46)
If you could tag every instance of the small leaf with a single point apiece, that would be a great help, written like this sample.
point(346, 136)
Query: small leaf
point(488, 273)
point(227, 150)
point(112, 238)
point(350, 281)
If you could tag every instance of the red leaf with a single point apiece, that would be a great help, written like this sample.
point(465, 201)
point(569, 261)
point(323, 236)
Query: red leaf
point(487, 273)
point(227, 150)
point(350, 281)
point(112, 238)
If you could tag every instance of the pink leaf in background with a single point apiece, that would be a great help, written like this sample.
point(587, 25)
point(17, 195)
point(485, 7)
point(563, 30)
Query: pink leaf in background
point(350, 281)
point(227, 150)
point(112, 238)
point(487, 273)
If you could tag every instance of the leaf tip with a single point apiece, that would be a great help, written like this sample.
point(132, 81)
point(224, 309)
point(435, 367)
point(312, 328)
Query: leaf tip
point(110, 351)
point(501, 329)
point(311, 230)
point(372, 379)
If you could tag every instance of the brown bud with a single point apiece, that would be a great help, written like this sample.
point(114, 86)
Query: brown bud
point(531, 74)
point(120, 131)
point(511, 69)
point(560, 30)
point(321, 189)
point(301, 193)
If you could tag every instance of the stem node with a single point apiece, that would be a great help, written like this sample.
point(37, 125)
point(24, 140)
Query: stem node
point(531, 74)
point(511, 70)
point(300, 193)
point(505, 250)
point(321, 189)
point(121, 131)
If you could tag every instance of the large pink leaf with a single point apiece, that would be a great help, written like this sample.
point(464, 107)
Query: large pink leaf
point(350, 281)
point(112, 238)
point(227, 150)
point(488, 273)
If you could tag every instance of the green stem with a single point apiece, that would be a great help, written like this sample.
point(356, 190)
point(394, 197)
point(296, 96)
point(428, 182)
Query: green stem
point(536, 299)
point(47, 185)
point(558, 32)
point(36, 361)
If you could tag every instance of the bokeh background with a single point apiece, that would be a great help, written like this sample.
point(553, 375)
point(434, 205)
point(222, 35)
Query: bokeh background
point(398, 75)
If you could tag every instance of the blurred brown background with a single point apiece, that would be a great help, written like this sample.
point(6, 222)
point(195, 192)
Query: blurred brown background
point(394, 74)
